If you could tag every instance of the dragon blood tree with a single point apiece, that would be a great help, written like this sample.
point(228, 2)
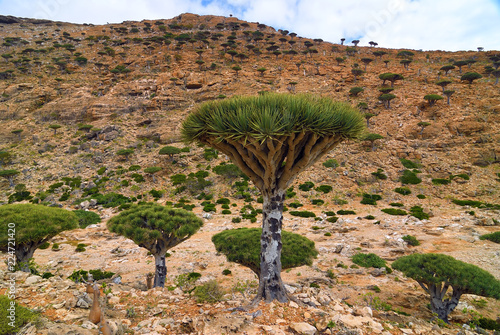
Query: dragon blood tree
point(272, 138)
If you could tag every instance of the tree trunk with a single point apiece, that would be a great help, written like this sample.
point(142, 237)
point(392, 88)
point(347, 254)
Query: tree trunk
point(160, 270)
point(444, 307)
point(271, 286)
point(24, 252)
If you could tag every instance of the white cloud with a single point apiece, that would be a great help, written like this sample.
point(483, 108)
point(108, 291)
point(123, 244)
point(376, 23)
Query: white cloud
point(416, 24)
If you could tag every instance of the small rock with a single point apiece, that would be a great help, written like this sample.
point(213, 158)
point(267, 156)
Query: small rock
point(33, 280)
point(293, 304)
point(303, 328)
point(88, 325)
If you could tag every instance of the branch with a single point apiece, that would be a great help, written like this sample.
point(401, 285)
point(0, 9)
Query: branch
point(426, 289)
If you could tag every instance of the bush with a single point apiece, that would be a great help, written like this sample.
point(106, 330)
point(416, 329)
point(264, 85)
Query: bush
point(226, 272)
point(345, 212)
point(178, 179)
point(134, 168)
point(80, 247)
point(324, 188)
point(317, 202)
point(410, 164)
point(111, 199)
point(332, 219)
point(22, 316)
point(156, 194)
point(440, 181)
point(236, 220)
point(228, 170)
point(411, 240)
point(402, 190)
point(493, 237)
point(295, 204)
point(421, 196)
point(97, 274)
point(303, 214)
point(226, 211)
point(210, 292)
point(331, 163)
point(379, 174)
point(370, 199)
point(419, 213)
point(394, 211)
point(223, 201)
point(397, 204)
point(44, 245)
point(370, 261)
point(307, 186)
point(210, 154)
point(86, 218)
point(410, 177)
point(489, 324)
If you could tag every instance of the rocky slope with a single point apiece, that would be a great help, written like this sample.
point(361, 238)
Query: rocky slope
point(133, 83)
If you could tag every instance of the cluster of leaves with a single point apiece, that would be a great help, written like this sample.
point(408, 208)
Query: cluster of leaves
point(86, 218)
point(394, 211)
point(476, 204)
point(402, 190)
point(307, 186)
point(494, 237)
point(346, 212)
point(370, 260)
point(410, 164)
point(23, 316)
point(411, 240)
point(229, 171)
point(379, 174)
point(410, 177)
point(303, 214)
point(419, 213)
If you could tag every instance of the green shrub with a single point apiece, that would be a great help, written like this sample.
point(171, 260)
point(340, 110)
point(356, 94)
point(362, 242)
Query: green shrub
point(489, 324)
point(402, 190)
point(345, 212)
point(228, 170)
point(223, 201)
point(295, 204)
point(290, 193)
point(210, 292)
point(210, 154)
point(236, 220)
point(80, 247)
point(411, 240)
point(476, 204)
point(134, 168)
point(328, 234)
point(369, 217)
point(226, 211)
point(225, 206)
point(397, 204)
point(331, 163)
point(101, 170)
point(330, 213)
point(421, 196)
point(317, 202)
point(379, 174)
point(44, 245)
point(156, 194)
point(394, 211)
point(410, 164)
point(464, 176)
point(178, 179)
point(55, 247)
point(440, 181)
point(111, 199)
point(332, 219)
point(137, 177)
point(307, 186)
point(370, 199)
point(226, 272)
point(22, 316)
point(419, 213)
point(370, 261)
point(209, 207)
point(494, 237)
point(410, 177)
point(303, 214)
point(45, 275)
point(97, 274)
point(324, 188)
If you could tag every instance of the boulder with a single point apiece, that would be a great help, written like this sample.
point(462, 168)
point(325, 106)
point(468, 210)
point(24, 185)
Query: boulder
point(303, 328)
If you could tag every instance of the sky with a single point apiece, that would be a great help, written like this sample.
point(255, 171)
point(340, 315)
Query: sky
point(450, 25)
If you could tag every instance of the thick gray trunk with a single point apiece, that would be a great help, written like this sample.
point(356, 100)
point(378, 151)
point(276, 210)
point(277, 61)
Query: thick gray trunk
point(23, 255)
point(160, 270)
point(444, 307)
point(271, 286)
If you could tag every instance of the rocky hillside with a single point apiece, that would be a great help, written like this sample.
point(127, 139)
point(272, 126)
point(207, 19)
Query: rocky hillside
point(86, 110)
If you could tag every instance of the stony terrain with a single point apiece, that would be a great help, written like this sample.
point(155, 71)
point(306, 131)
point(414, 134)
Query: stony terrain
point(43, 84)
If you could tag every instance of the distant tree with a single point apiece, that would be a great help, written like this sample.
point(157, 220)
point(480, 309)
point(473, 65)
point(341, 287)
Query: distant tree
point(232, 53)
point(470, 62)
point(9, 175)
point(355, 42)
point(242, 246)
point(152, 171)
point(236, 69)
point(392, 77)
point(125, 153)
point(356, 72)
point(436, 273)
point(368, 116)
point(386, 90)
point(471, 76)
point(448, 94)
point(405, 54)
point(386, 99)
point(5, 157)
point(342, 40)
point(366, 61)
point(355, 91)
point(340, 60)
point(262, 70)
point(85, 127)
point(379, 53)
point(406, 63)
point(443, 83)
point(447, 68)
point(386, 63)
point(423, 124)
point(432, 98)
point(496, 73)
point(200, 63)
point(157, 229)
point(170, 151)
point(459, 64)
point(480, 49)
point(372, 137)
point(34, 225)
point(54, 127)
point(373, 44)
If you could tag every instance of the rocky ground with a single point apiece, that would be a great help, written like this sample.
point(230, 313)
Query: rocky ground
point(142, 110)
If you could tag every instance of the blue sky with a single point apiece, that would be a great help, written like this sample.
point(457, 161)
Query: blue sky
point(416, 24)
